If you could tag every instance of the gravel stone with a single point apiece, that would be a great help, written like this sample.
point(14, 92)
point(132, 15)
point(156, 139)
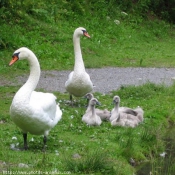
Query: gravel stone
point(104, 79)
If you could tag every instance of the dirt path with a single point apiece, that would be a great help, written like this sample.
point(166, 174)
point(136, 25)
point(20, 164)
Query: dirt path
point(105, 79)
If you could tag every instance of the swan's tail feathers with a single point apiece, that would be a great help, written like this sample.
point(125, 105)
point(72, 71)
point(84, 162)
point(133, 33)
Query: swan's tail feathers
point(140, 117)
point(140, 112)
point(58, 115)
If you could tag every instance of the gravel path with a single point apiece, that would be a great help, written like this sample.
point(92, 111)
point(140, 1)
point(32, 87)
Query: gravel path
point(104, 79)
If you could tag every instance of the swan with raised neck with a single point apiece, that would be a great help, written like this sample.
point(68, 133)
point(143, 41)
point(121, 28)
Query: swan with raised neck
point(79, 82)
point(33, 112)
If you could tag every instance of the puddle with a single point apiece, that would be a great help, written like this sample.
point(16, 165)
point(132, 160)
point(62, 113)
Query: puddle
point(162, 165)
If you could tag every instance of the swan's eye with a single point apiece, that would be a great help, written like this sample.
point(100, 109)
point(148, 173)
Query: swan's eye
point(16, 54)
point(14, 58)
point(85, 33)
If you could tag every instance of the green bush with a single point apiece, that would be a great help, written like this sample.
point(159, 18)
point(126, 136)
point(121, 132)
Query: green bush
point(57, 9)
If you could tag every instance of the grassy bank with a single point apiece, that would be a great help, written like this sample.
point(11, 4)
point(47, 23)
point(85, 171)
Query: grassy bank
point(100, 149)
point(132, 41)
point(117, 38)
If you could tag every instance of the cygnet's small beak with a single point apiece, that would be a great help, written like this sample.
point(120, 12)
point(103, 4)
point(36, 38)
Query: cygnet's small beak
point(98, 103)
point(113, 102)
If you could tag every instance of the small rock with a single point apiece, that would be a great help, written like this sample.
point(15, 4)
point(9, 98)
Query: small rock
point(132, 161)
point(12, 146)
point(1, 122)
point(76, 156)
point(22, 165)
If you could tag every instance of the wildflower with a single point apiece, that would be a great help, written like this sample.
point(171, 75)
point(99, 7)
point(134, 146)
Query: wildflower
point(32, 139)
point(117, 21)
point(124, 13)
point(163, 154)
point(57, 153)
point(108, 18)
point(14, 138)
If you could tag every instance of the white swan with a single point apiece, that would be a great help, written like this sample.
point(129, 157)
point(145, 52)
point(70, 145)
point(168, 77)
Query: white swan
point(125, 116)
point(33, 112)
point(90, 117)
point(79, 82)
point(104, 114)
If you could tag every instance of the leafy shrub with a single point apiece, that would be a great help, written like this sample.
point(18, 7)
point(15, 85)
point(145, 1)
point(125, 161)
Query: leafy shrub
point(57, 9)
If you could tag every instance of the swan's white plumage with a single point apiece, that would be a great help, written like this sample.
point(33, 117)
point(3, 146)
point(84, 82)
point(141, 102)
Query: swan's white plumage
point(79, 82)
point(31, 111)
point(90, 117)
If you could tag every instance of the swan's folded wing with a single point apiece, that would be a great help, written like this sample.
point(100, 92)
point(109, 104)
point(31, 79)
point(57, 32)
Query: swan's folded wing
point(128, 110)
point(69, 78)
point(46, 102)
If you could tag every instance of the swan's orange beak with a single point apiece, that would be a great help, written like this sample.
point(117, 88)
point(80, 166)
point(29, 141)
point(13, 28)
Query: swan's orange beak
point(14, 59)
point(86, 34)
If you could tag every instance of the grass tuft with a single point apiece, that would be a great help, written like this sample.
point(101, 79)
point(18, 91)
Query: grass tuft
point(92, 162)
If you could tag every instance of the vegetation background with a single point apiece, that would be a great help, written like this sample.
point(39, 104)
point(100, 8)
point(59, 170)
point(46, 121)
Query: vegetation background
point(123, 34)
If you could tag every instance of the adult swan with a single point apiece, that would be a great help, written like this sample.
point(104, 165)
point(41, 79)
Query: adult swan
point(33, 112)
point(79, 82)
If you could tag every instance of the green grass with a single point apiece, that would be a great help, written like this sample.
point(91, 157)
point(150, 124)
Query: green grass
point(105, 148)
point(47, 28)
point(133, 43)
point(145, 45)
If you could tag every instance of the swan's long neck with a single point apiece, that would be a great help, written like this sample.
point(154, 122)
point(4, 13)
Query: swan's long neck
point(116, 108)
point(79, 64)
point(93, 110)
point(26, 90)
